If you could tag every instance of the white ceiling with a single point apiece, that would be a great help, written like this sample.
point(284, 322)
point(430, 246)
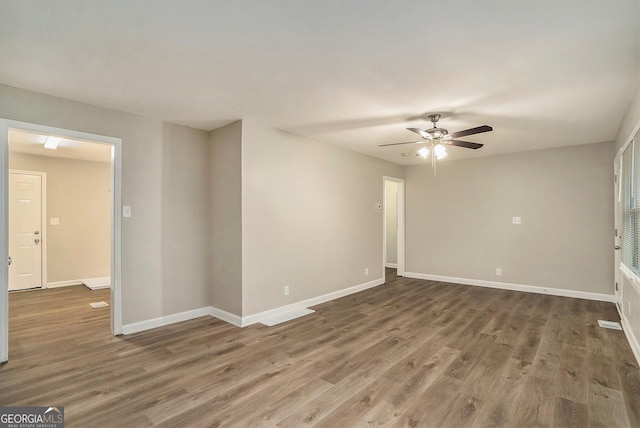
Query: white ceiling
point(33, 144)
point(354, 73)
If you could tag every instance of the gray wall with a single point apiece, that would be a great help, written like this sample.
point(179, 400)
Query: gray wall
point(78, 194)
point(459, 223)
point(225, 215)
point(149, 289)
point(309, 218)
point(185, 239)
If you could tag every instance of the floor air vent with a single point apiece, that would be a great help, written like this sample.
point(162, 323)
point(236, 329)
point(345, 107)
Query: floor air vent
point(96, 305)
point(610, 324)
point(278, 319)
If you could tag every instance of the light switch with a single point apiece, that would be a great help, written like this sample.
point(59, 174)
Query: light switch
point(54, 221)
point(516, 220)
point(126, 211)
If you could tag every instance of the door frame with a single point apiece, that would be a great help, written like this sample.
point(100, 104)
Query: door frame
point(617, 222)
point(43, 221)
point(401, 224)
point(622, 274)
point(116, 221)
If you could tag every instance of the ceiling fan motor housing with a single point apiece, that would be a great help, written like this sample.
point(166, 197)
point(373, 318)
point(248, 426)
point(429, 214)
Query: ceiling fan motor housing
point(436, 133)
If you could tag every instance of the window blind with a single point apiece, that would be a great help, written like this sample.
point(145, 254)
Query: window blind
point(631, 206)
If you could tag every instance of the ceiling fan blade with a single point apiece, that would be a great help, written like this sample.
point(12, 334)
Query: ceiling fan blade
point(398, 144)
point(420, 132)
point(465, 144)
point(476, 130)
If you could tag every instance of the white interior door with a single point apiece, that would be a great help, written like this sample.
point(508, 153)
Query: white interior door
point(25, 231)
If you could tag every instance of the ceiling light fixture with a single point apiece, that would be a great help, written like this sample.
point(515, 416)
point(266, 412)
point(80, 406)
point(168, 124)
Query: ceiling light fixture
point(437, 151)
point(436, 140)
point(440, 151)
point(52, 143)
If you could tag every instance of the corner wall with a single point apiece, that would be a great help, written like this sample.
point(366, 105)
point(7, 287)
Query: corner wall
point(185, 221)
point(308, 218)
point(225, 214)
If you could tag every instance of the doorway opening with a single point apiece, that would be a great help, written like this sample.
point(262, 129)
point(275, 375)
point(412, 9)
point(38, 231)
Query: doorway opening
point(393, 227)
point(59, 207)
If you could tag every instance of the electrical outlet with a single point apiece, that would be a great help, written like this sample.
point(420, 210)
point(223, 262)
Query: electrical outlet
point(516, 220)
point(498, 271)
point(286, 290)
point(366, 271)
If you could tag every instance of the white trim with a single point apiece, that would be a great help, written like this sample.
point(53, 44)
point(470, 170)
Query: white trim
point(58, 284)
point(400, 254)
point(631, 338)
point(256, 318)
point(225, 316)
point(516, 287)
point(629, 139)
point(391, 265)
point(250, 319)
point(97, 283)
point(116, 237)
point(632, 278)
point(165, 320)
point(617, 223)
point(116, 245)
point(4, 243)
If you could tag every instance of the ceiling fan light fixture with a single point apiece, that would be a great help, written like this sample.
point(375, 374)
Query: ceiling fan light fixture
point(52, 143)
point(436, 139)
point(440, 151)
point(423, 152)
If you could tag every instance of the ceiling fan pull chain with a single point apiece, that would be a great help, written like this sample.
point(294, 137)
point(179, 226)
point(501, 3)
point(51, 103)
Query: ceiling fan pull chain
point(434, 161)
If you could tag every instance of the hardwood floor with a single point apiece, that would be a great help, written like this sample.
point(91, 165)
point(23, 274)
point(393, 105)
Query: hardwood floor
point(410, 353)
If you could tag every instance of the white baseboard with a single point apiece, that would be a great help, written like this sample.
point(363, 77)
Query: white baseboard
point(244, 321)
point(166, 320)
point(391, 265)
point(223, 315)
point(256, 318)
point(516, 287)
point(97, 283)
point(631, 338)
point(64, 283)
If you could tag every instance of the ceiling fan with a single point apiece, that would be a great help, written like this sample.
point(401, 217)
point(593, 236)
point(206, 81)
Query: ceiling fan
point(436, 139)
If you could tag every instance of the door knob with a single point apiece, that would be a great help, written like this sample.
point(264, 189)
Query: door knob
point(36, 232)
point(617, 247)
point(36, 241)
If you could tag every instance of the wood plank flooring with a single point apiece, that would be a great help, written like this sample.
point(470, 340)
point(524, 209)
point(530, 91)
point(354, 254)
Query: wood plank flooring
point(409, 353)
